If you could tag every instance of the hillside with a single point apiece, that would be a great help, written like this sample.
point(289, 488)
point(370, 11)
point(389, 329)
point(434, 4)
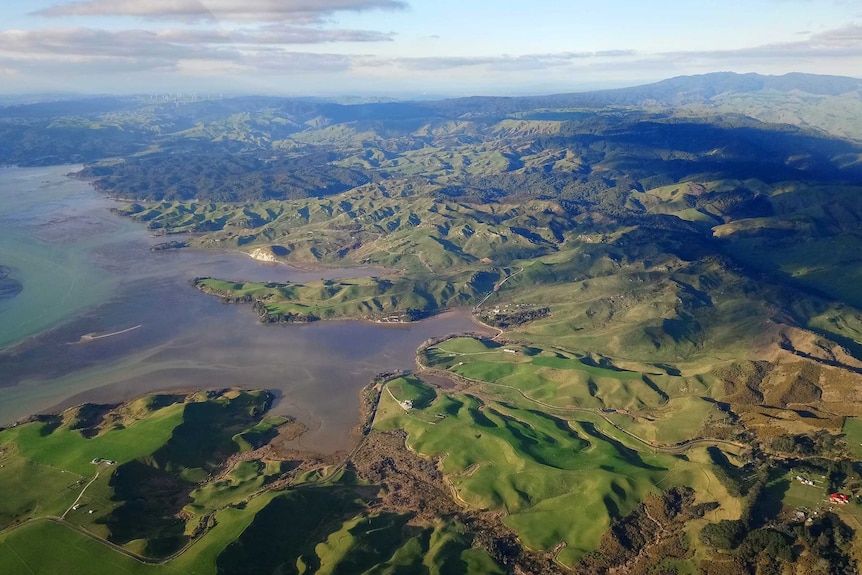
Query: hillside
point(201, 484)
point(673, 270)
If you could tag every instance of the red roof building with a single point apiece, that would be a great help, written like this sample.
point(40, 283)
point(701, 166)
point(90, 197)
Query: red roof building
point(839, 498)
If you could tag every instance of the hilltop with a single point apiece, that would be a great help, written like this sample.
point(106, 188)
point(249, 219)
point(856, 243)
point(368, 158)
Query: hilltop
point(673, 270)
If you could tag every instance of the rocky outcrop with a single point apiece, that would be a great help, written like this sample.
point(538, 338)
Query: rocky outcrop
point(269, 253)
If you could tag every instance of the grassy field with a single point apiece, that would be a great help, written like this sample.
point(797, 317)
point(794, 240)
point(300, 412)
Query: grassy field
point(68, 450)
point(317, 526)
point(363, 298)
point(330, 532)
point(243, 481)
point(129, 469)
point(48, 466)
point(39, 489)
point(412, 390)
point(553, 377)
point(45, 548)
point(230, 523)
point(852, 431)
point(797, 495)
point(681, 419)
point(532, 436)
point(557, 479)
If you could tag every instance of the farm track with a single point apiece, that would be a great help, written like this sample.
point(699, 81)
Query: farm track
point(80, 495)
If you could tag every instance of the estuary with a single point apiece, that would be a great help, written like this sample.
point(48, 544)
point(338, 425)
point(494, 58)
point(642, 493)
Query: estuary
point(85, 271)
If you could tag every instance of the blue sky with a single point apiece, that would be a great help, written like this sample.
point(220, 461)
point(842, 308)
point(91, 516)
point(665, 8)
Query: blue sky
point(400, 47)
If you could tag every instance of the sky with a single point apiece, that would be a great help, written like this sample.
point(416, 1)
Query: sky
point(412, 47)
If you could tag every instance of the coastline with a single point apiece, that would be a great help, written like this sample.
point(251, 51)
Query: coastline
point(392, 318)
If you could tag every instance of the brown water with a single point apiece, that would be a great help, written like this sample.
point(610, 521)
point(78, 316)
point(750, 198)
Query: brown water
point(186, 339)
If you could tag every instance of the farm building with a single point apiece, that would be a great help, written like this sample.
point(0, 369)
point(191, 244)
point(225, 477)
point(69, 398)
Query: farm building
point(839, 498)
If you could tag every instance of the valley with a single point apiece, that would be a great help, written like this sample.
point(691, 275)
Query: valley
point(635, 317)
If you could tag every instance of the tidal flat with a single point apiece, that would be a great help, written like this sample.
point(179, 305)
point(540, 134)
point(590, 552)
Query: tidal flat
point(86, 270)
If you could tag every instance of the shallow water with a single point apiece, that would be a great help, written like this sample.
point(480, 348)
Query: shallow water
point(85, 270)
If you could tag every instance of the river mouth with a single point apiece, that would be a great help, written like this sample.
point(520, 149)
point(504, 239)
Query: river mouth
point(163, 333)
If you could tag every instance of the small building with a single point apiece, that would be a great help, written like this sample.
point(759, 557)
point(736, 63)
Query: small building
point(839, 498)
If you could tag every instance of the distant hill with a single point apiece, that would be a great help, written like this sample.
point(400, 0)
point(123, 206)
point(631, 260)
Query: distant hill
point(683, 90)
point(832, 104)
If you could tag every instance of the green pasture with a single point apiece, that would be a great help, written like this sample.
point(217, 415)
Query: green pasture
point(244, 480)
point(34, 489)
point(680, 419)
point(356, 298)
point(557, 479)
point(810, 497)
point(330, 532)
point(156, 450)
point(555, 378)
point(46, 548)
point(852, 431)
point(42, 547)
point(412, 389)
point(66, 449)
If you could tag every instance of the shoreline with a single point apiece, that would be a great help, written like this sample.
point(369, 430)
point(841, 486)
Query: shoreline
point(264, 318)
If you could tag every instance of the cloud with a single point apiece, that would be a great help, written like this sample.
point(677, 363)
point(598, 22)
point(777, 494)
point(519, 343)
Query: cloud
point(290, 54)
point(264, 48)
point(297, 11)
point(836, 43)
point(169, 45)
point(287, 34)
point(506, 62)
point(307, 62)
point(87, 43)
point(276, 35)
point(182, 52)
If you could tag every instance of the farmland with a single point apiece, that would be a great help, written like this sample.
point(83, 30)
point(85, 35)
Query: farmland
point(672, 384)
point(174, 502)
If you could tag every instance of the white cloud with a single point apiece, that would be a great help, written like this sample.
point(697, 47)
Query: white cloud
point(836, 43)
point(297, 11)
point(289, 51)
point(506, 62)
point(256, 48)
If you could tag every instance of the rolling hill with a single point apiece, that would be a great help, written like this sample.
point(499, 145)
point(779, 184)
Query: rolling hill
point(673, 270)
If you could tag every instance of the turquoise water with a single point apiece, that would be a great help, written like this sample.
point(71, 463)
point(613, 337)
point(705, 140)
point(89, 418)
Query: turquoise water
point(50, 241)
